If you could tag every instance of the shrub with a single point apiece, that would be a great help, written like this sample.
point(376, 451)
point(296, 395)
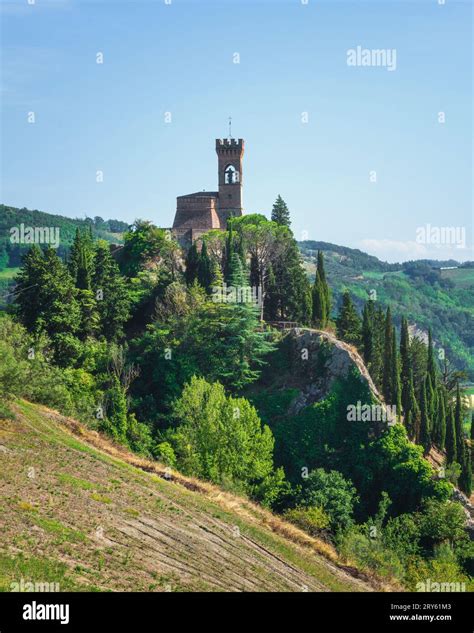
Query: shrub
point(331, 492)
point(312, 520)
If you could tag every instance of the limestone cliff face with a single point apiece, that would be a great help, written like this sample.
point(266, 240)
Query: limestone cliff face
point(318, 360)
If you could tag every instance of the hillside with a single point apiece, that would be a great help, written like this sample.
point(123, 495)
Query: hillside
point(10, 217)
point(80, 511)
point(428, 296)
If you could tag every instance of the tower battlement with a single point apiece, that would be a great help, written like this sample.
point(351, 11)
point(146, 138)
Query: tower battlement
point(224, 144)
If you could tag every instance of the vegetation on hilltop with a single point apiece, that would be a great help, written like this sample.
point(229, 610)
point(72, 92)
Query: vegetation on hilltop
point(171, 354)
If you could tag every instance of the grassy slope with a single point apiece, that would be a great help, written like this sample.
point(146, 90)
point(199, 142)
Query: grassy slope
point(87, 515)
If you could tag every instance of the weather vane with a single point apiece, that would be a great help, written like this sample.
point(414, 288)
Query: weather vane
point(230, 127)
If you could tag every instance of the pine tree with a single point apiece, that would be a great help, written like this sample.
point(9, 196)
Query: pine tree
point(368, 332)
point(192, 265)
point(111, 294)
point(46, 301)
point(387, 359)
point(217, 276)
point(81, 259)
point(348, 322)
point(204, 272)
point(451, 447)
point(395, 386)
point(280, 213)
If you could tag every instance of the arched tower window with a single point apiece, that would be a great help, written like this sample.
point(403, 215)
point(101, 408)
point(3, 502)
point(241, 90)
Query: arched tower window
point(231, 175)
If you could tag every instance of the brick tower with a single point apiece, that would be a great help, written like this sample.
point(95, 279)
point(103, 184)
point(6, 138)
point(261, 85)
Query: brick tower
point(230, 152)
point(199, 212)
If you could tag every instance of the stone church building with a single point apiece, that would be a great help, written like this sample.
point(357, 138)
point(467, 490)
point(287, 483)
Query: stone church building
point(197, 213)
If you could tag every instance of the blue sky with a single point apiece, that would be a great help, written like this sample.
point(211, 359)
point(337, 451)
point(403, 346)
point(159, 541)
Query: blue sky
point(179, 58)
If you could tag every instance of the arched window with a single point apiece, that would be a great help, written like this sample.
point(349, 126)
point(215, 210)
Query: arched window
point(231, 175)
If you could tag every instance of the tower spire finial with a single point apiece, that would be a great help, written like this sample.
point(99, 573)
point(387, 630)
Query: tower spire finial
point(230, 127)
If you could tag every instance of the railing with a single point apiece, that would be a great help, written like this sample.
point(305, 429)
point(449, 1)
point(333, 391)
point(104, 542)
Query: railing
point(283, 325)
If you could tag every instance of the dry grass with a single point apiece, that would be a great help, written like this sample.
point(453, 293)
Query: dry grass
point(240, 506)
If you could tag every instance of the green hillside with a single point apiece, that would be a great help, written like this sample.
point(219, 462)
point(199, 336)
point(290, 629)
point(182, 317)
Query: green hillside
point(89, 517)
point(10, 254)
point(429, 297)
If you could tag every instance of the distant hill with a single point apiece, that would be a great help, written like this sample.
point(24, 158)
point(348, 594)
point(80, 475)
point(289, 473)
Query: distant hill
point(10, 254)
point(420, 290)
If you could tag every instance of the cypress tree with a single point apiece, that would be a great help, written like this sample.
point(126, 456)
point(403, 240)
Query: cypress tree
point(465, 479)
point(280, 213)
point(228, 252)
point(348, 321)
point(451, 450)
point(425, 425)
point(324, 284)
point(412, 415)
point(440, 438)
point(192, 265)
point(387, 359)
point(368, 332)
point(319, 303)
point(376, 368)
point(204, 271)
point(458, 426)
point(405, 363)
point(395, 386)
point(431, 365)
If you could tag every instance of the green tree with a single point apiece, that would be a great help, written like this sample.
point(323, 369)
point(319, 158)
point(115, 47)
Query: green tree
point(348, 321)
point(319, 308)
point(46, 302)
point(396, 387)
point(440, 437)
point(451, 444)
point(431, 365)
point(425, 423)
point(388, 358)
point(458, 426)
point(465, 480)
point(192, 265)
point(280, 213)
point(221, 438)
point(204, 272)
point(368, 332)
point(331, 492)
point(405, 363)
point(111, 294)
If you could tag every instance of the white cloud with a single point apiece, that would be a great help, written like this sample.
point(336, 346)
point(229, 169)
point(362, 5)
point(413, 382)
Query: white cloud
point(399, 251)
